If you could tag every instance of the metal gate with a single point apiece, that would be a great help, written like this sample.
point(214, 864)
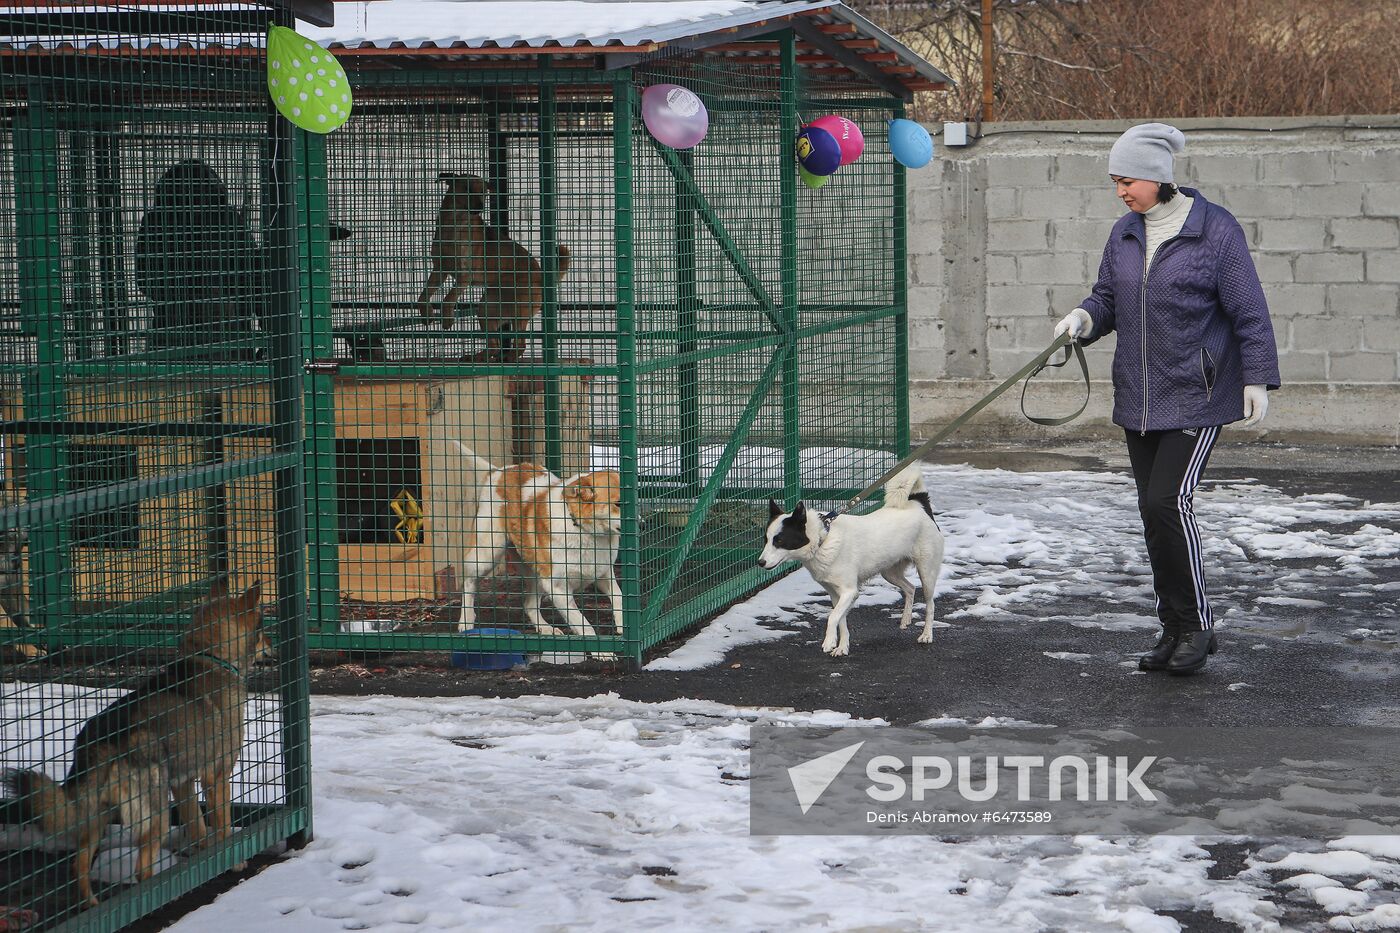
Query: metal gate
point(153, 572)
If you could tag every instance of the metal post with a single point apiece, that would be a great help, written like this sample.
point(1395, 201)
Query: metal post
point(84, 294)
point(37, 212)
point(318, 388)
point(215, 497)
point(899, 224)
point(111, 250)
point(687, 323)
point(549, 260)
point(627, 388)
point(498, 173)
point(988, 65)
point(283, 211)
point(787, 225)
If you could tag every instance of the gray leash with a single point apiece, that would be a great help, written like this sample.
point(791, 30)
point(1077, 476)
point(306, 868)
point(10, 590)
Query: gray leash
point(1027, 372)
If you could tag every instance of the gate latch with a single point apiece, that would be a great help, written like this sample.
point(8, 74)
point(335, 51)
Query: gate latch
point(328, 367)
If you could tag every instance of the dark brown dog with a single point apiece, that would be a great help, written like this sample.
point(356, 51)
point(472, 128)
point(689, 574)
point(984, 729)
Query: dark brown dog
point(470, 252)
point(183, 724)
point(201, 268)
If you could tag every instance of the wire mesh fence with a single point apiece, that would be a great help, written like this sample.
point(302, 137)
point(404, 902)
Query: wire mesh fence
point(152, 577)
point(487, 370)
point(571, 364)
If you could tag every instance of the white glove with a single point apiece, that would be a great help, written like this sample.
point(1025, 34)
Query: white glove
point(1077, 323)
point(1256, 404)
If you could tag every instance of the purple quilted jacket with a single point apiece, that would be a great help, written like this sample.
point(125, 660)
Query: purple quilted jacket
point(1193, 332)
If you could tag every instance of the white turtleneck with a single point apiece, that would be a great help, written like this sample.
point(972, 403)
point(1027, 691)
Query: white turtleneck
point(1164, 221)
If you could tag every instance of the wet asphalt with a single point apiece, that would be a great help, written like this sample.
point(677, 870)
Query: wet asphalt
point(1302, 666)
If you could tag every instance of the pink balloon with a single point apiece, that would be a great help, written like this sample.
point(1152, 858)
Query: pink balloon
point(674, 115)
point(847, 134)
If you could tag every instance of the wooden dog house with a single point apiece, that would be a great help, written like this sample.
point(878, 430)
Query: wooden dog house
point(397, 436)
point(405, 430)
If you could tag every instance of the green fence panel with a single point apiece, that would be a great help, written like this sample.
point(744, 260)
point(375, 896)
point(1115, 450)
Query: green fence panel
point(156, 227)
point(488, 372)
point(568, 365)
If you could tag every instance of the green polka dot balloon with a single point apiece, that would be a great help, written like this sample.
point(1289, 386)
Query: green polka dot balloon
point(307, 84)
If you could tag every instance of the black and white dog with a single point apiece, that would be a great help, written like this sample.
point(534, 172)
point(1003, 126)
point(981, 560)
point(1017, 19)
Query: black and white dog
point(900, 534)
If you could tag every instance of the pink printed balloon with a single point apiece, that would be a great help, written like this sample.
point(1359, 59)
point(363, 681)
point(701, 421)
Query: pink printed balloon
point(847, 134)
point(676, 116)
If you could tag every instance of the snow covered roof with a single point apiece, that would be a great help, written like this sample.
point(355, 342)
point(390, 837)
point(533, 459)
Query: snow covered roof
point(832, 36)
point(481, 24)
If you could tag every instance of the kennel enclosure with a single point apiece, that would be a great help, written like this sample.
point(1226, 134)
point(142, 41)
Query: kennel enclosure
point(717, 333)
point(217, 369)
point(151, 452)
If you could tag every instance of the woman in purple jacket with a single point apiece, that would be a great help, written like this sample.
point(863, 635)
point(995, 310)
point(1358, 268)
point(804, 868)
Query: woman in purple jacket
point(1195, 352)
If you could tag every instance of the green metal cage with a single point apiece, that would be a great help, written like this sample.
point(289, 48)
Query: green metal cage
point(152, 517)
point(721, 335)
point(489, 370)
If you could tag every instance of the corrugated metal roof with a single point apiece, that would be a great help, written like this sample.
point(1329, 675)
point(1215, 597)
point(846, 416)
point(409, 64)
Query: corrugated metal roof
point(494, 28)
point(865, 27)
point(486, 24)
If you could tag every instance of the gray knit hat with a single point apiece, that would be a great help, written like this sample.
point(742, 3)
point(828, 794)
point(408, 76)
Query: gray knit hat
point(1145, 152)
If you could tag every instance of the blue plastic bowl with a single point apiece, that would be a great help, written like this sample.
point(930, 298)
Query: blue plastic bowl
point(487, 661)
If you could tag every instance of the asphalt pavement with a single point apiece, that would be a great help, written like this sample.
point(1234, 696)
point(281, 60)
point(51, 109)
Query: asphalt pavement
point(1296, 667)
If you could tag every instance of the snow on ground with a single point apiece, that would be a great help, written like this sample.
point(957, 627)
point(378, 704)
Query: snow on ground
point(546, 813)
point(543, 813)
point(740, 624)
point(1025, 545)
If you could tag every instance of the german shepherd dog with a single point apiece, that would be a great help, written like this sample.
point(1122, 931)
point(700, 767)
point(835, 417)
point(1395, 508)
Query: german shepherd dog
point(469, 251)
point(184, 724)
point(200, 266)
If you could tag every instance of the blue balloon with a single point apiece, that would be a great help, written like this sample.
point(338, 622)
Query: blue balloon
point(818, 151)
point(910, 143)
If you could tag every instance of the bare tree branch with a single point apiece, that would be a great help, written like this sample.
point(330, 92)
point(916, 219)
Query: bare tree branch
point(1058, 64)
point(1059, 59)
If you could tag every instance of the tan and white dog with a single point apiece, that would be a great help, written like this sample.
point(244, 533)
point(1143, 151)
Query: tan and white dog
point(567, 533)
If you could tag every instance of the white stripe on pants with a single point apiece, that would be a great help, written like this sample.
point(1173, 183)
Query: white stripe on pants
point(1204, 442)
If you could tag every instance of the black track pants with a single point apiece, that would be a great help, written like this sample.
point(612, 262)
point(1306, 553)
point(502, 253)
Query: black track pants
point(1167, 466)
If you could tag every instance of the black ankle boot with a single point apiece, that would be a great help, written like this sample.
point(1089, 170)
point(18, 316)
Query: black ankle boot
point(1192, 649)
point(1159, 654)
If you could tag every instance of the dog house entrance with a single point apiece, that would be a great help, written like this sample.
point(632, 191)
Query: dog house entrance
point(91, 465)
point(372, 474)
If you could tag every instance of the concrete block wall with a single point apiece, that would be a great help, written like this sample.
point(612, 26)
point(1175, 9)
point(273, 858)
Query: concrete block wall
point(1006, 237)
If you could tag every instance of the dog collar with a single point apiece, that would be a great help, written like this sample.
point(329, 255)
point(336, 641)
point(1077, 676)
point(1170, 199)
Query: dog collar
point(231, 668)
